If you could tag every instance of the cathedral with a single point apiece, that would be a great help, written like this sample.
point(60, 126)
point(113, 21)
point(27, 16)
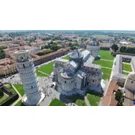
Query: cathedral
point(78, 74)
point(93, 47)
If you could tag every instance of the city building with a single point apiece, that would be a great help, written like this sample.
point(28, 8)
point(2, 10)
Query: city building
point(78, 74)
point(94, 48)
point(7, 67)
point(25, 67)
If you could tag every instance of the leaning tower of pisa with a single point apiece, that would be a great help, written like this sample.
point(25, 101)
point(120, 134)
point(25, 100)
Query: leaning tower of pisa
point(24, 63)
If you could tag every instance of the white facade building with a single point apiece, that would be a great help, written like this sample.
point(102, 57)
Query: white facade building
point(94, 48)
point(25, 67)
point(78, 74)
point(130, 82)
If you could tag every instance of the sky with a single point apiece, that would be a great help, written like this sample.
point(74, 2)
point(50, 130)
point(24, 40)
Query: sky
point(67, 15)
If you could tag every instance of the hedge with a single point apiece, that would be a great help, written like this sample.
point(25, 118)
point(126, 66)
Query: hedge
point(11, 99)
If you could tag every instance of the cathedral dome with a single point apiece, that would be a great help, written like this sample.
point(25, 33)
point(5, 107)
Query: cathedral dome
point(131, 76)
point(76, 55)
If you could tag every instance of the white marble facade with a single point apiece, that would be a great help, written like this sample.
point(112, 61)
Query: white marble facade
point(93, 47)
point(76, 74)
point(25, 67)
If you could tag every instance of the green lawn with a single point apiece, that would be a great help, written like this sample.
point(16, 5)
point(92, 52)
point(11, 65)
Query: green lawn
point(66, 57)
point(19, 88)
point(104, 63)
point(5, 96)
point(106, 55)
point(56, 102)
point(80, 102)
point(8, 86)
point(93, 99)
point(126, 67)
point(125, 73)
point(19, 103)
point(48, 68)
point(106, 73)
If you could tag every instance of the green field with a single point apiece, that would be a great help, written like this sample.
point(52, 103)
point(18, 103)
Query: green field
point(93, 99)
point(19, 88)
point(80, 102)
point(8, 86)
point(106, 55)
point(5, 96)
point(48, 68)
point(106, 73)
point(19, 103)
point(66, 57)
point(126, 67)
point(56, 102)
point(104, 63)
point(125, 73)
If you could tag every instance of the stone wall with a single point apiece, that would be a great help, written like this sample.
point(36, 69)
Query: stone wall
point(51, 56)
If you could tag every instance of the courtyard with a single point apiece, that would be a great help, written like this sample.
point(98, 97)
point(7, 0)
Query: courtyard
point(126, 67)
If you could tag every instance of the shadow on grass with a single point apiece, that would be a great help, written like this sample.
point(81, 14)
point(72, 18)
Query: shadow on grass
point(71, 98)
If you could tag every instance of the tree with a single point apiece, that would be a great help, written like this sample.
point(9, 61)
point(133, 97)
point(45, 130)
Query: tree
point(114, 47)
point(2, 54)
point(123, 49)
point(54, 47)
point(119, 97)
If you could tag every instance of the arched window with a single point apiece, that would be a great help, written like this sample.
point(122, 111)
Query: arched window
point(23, 65)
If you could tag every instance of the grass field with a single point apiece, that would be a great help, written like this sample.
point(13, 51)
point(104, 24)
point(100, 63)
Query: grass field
point(93, 99)
point(48, 68)
point(125, 73)
point(56, 102)
point(5, 96)
point(106, 55)
point(126, 67)
point(104, 63)
point(80, 102)
point(8, 86)
point(106, 73)
point(19, 88)
point(19, 103)
point(66, 57)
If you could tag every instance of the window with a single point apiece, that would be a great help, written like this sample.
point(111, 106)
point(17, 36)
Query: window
point(23, 65)
point(132, 82)
point(93, 81)
point(65, 81)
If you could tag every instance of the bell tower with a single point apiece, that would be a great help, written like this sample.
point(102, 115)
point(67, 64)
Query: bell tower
point(25, 67)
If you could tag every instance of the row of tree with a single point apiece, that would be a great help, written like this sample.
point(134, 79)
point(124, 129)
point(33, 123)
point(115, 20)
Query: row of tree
point(44, 52)
point(73, 46)
point(53, 47)
point(125, 49)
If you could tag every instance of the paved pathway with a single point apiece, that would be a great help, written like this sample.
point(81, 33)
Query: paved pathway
point(86, 101)
point(127, 63)
point(126, 71)
point(42, 72)
point(106, 67)
point(107, 60)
